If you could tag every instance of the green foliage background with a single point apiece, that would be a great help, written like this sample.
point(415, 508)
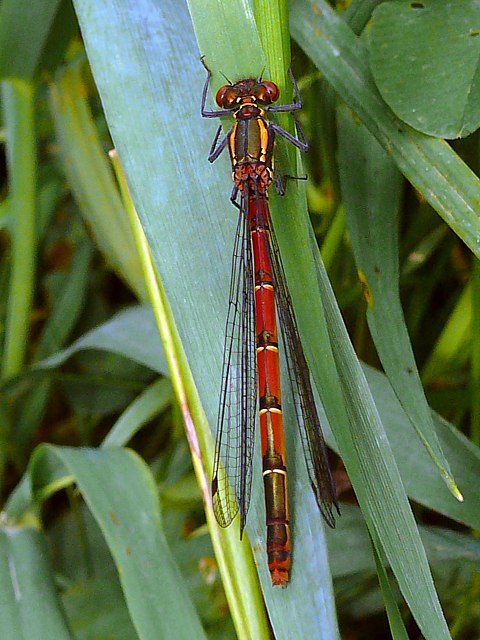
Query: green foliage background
point(102, 541)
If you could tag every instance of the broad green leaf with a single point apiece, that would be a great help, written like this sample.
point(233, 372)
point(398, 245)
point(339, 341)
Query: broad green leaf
point(120, 492)
point(425, 58)
point(30, 608)
point(130, 521)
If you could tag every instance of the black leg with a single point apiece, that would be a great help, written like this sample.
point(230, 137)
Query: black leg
point(281, 181)
point(301, 144)
point(206, 113)
point(216, 149)
point(233, 197)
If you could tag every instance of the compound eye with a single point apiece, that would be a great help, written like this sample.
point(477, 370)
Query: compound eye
point(226, 96)
point(267, 92)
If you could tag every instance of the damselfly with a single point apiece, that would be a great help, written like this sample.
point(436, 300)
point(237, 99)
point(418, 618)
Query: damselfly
point(258, 294)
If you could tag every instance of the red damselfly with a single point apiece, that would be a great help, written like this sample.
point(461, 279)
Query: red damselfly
point(258, 294)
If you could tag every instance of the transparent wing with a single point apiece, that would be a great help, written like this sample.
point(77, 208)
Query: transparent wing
point(313, 442)
point(232, 472)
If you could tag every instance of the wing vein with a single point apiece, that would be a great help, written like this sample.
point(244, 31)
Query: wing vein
point(232, 473)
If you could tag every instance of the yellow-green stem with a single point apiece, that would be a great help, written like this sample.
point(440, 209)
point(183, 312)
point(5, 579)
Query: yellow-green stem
point(475, 426)
point(17, 98)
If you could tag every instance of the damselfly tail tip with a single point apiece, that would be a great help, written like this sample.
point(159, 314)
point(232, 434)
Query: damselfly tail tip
point(279, 555)
point(279, 577)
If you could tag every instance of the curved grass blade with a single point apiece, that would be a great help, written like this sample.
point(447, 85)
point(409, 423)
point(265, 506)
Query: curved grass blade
point(121, 494)
point(371, 189)
point(374, 474)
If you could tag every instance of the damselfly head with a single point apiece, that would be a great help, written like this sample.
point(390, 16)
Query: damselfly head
point(231, 96)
